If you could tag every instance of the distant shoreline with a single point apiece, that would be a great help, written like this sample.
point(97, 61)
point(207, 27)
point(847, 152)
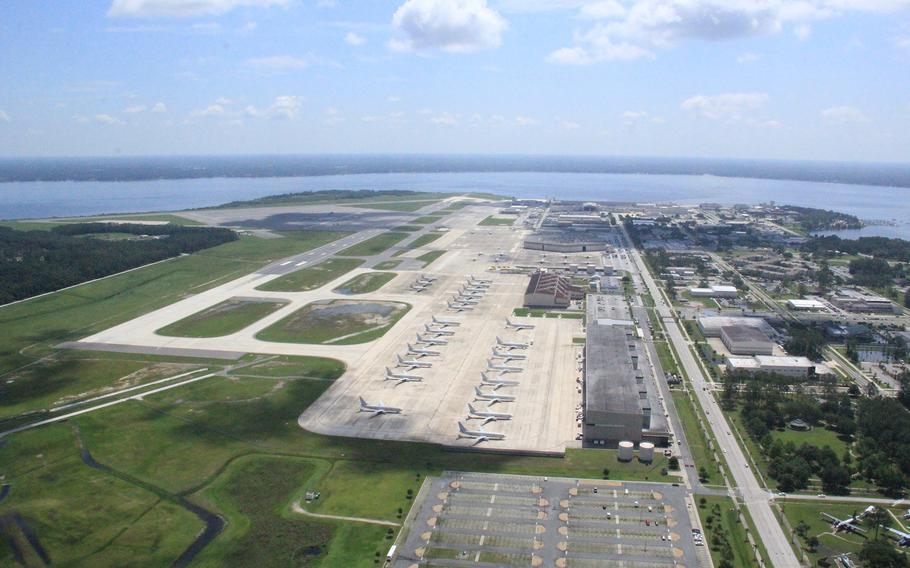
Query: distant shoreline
point(119, 169)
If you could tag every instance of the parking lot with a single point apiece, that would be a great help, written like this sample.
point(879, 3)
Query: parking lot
point(462, 519)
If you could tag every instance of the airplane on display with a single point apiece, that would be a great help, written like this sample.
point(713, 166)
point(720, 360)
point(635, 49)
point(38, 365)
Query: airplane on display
point(497, 354)
point(848, 524)
point(413, 363)
point(463, 300)
point(377, 409)
point(480, 435)
point(470, 294)
point(518, 326)
point(479, 281)
point(420, 352)
point(511, 345)
point(491, 398)
point(502, 368)
point(428, 278)
point(486, 415)
point(418, 288)
point(402, 378)
point(497, 382)
point(438, 331)
point(431, 340)
point(445, 322)
point(903, 538)
point(458, 307)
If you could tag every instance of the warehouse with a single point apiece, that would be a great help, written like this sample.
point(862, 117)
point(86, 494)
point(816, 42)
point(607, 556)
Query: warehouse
point(710, 326)
point(564, 241)
point(714, 292)
point(796, 367)
point(805, 305)
point(550, 290)
point(855, 301)
point(746, 340)
point(618, 400)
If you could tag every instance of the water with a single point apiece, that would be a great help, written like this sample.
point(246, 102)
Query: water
point(39, 199)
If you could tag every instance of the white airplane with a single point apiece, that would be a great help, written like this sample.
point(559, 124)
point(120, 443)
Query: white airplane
point(428, 278)
point(431, 340)
point(845, 524)
point(377, 409)
point(497, 382)
point(486, 415)
point(437, 331)
point(402, 377)
point(503, 369)
point(480, 435)
point(518, 326)
point(418, 288)
point(479, 281)
point(458, 307)
point(420, 352)
point(497, 354)
point(445, 322)
point(491, 398)
point(465, 301)
point(903, 538)
point(470, 294)
point(413, 363)
point(511, 345)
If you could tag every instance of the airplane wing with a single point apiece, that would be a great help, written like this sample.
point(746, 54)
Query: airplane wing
point(488, 420)
point(831, 518)
point(855, 528)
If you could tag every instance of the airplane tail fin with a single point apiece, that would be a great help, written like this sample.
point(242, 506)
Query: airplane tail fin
point(388, 372)
point(363, 403)
point(471, 408)
point(461, 428)
point(477, 391)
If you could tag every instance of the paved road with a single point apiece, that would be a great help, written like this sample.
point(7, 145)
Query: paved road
point(754, 497)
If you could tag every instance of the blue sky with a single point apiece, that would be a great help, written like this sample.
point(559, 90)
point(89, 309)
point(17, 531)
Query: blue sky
point(805, 79)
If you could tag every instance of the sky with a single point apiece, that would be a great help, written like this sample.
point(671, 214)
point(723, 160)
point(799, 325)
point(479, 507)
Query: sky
point(803, 79)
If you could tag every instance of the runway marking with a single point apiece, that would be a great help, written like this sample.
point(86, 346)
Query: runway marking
point(301, 263)
point(285, 263)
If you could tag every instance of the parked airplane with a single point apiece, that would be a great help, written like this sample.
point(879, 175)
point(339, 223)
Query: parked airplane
point(437, 331)
point(431, 340)
point(496, 382)
point(480, 435)
point(518, 326)
point(445, 322)
point(460, 307)
point(479, 281)
point(420, 352)
point(491, 397)
point(903, 538)
point(470, 294)
point(511, 345)
point(502, 368)
point(464, 300)
point(486, 415)
point(377, 409)
point(418, 288)
point(497, 354)
point(428, 278)
point(413, 363)
point(847, 524)
point(403, 377)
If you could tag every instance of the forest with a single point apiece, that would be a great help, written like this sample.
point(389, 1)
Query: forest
point(35, 262)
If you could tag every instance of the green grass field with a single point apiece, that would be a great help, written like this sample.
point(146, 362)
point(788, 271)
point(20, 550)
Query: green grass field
point(722, 525)
point(366, 283)
point(221, 319)
point(311, 277)
point(396, 206)
point(494, 221)
point(341, 322)
point(430, 257)
point(374, 245)
point(427, 219)
point(696, 438)
point(407, 228)
point(421, 241)
point(387, 265)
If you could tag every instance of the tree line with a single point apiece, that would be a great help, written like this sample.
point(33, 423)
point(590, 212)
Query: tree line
point(35, 262)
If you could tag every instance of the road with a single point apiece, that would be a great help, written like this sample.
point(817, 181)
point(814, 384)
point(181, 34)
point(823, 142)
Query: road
point(754, 497)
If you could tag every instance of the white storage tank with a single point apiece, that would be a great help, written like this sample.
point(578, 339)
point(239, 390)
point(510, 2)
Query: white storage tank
point(626, 451)
point(646, 452)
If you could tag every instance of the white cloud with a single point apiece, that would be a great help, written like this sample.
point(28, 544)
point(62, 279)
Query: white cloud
point(445, 119)
point(285, 107)
point(4, 117)
point(182, 8)
point(569, 125)
point(447, 25)
point(748, 57)
point(354, 38)
point(135, 109)
point(526, 121)
point(212, 110)
point(633, 29)
point(725, 105)
point(902, 42)
point(394, 99)
point(159, 107)
point(843, 115)
point(288, 62)
point(98, 118)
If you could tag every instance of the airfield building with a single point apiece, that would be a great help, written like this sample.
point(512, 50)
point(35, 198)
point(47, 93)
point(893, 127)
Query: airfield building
point(620, 401)
point(746, 340)
point(550, 290)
